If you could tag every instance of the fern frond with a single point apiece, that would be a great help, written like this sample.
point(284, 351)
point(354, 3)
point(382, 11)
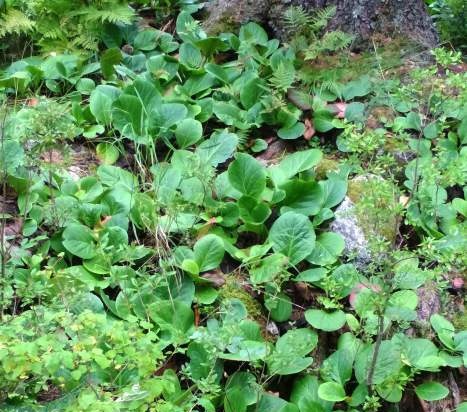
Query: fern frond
point(87, 41)
point(50, 29)
point(297, 20)
point(115, 14)
point(332, 86)
point(272, 102)
point(331, 41)
point(321, 18)
point(283, 77)
point(15, 22)
point(242, 137)
point(336, 40)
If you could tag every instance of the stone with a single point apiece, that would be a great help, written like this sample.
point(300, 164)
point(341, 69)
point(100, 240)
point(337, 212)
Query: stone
point(428, 302)
point(347, 225)
point(363, 18)
point(367, 214)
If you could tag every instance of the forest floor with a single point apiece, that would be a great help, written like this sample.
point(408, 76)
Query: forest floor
point(228, 223)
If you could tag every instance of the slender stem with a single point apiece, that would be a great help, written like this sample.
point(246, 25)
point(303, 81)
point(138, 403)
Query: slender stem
point(379, 338)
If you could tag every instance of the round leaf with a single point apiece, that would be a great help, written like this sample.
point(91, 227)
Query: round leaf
point(293, 236)
point(247, 175)
point(79, 241)
point(431, 391)
point(327, 321)
point(331, 391)
point(209, 252)
point(107, 153)
point(188, 132)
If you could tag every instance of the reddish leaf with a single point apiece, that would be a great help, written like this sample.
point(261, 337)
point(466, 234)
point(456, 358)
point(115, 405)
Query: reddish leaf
point(309, 130)
point(341, 106)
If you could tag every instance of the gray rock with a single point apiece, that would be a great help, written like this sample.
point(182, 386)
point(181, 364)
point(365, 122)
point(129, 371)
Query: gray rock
point(367, 216)
point(347, 225)
point(272, 328)
point(428, 302)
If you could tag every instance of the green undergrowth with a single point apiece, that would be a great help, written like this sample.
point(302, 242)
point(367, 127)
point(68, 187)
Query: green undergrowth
point(191, 266)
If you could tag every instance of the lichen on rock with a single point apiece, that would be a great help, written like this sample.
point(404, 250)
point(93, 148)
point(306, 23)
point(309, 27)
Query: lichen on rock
point(367, 218)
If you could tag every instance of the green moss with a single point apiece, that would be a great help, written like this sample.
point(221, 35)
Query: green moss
point(460, 321)
point(233, 289)
point(324, 166)
point(376, 206)
point(225, 24)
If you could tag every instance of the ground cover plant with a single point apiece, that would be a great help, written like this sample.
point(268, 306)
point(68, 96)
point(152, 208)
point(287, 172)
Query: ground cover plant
point(200, 222)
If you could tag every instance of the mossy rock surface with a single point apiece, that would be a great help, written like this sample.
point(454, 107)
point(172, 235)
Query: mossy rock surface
point(233, 289)
point(367, 218)
point(324, 166)
point(376, 206)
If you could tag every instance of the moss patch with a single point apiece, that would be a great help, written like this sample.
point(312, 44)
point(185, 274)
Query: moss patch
point(324, 166)
point(376, 206)
point(233, 289)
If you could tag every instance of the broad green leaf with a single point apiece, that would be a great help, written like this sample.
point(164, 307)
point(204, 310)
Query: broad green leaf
point(206, 295)
point(305, 395)
point(357, 88)
point(146, 40)
point(247, 175)
point(11, 156)
point(269, 403)
point(294, 163)
point(190, 55)
point(86, 301)
point(209, 252)
point(99, 264)
point(252, 211)
point(111, 176)
point(328, 248)
point(334, 191)
point(234, 400)
point(462, 130)
point(323, 120)
point(292, 235)
point(300, 341)
point(444, 329)
point(388, 362)
point(287, 365)
point(218, 148)
point(292, 132)
point(338, 367)
point(247, 351)
point(79, 241)
point(311, 275)
point(280, 307)
point(190, 266)
point(100, 102)
point(327, 321)
point(460, 205)
point(188, 132)
point(174, 316)
point(107, 153)
point(128, 117)
point(430, 131)
point(269, 268)
point(304, 197)
point(246, 382)
point(201, 363)
point(109, 59)
point(331, 391)
point(169, 114)
point(289, 354)
point(218, 72)
point(431, 391)
point(254, 34)
point(355, 112)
